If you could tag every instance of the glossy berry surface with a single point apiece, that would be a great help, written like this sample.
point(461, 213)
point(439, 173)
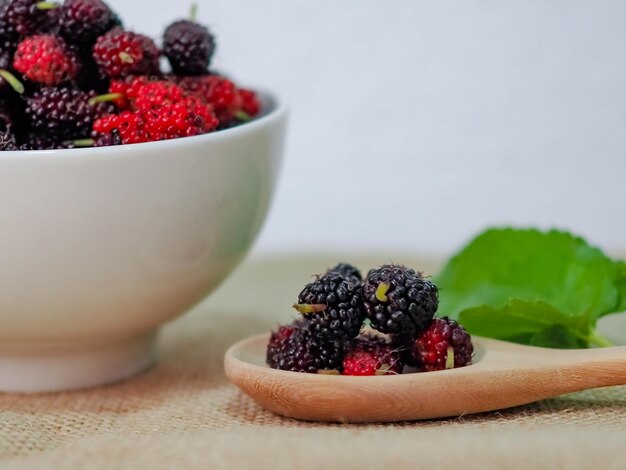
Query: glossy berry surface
point(293, 347)
point(333, 307)
point(348, 271)
point(120, 53)
point(181, 119)
point(250, 103)
point(189, 47)
point(443, 345)
point(153, 95)
point(63, 113)
point(45, 59)
point(217, 91)
point(399, 300)
point(7, 136)
point(370, 355)
point(21, 18)
point(84, 20)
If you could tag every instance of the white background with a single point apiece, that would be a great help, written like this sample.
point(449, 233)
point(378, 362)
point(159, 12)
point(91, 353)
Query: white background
point(415, 124)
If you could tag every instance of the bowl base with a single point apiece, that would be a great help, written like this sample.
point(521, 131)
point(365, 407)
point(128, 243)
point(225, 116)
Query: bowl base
point(54, 369)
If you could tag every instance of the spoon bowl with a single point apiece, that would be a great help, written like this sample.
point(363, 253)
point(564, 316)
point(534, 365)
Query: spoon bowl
point(502, 375)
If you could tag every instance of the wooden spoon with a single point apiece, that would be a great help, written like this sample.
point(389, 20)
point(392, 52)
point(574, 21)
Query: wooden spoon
point(502, 375)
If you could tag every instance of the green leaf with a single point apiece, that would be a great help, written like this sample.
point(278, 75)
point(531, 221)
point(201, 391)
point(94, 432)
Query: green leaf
point(557, 336)
point(554, 269)
point(528, 322)
point(621, 285)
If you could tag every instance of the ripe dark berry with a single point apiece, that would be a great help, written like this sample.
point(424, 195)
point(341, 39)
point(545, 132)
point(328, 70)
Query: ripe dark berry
point(6, 120)
point(7, 136)
point(121, 53)
point(63, 113)
point(189, 47)
point(348, 271)
point(117, 21)
point(45, 59)
point(84, 20)
point(399, 300)
point(89, 77)
point(7, 49)
point(20, 18)
point(7, 140)
point(12, 114)
point(371, 355)
point(38, 141)
point(293, 347)
point(443, 345)
point(9, 83)
point(6, 59)
point(333, 307)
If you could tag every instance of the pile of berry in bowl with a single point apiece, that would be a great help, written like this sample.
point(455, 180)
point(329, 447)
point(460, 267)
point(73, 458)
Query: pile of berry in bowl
point(103, 244)
point(383, 325)
point(72, 76)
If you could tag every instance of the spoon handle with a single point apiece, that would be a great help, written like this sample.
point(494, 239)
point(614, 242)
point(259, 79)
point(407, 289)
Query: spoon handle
point(596, 367)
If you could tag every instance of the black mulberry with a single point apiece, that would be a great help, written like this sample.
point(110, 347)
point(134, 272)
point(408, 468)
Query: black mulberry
point(333, 307)
point(189, 47)
point(398, 300)
point(295, 348)
point(348, 271)
point(84, 20)
point(64, 113)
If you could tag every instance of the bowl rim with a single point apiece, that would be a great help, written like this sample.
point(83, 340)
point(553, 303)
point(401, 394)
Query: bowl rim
point(277, 109)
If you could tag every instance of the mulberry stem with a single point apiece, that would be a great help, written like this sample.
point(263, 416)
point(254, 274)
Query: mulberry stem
point(104, 98)
point(46, 5)
point(242, 116)
point(381, 291)
point(309, 308)
point(83, 142)
point(450, 358)
point(12, 81)
point(126, 58)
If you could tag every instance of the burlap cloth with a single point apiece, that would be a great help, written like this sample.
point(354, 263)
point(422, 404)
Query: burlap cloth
point(184, 414)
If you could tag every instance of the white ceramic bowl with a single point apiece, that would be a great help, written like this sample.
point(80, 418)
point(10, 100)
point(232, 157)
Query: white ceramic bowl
point(100, 247)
